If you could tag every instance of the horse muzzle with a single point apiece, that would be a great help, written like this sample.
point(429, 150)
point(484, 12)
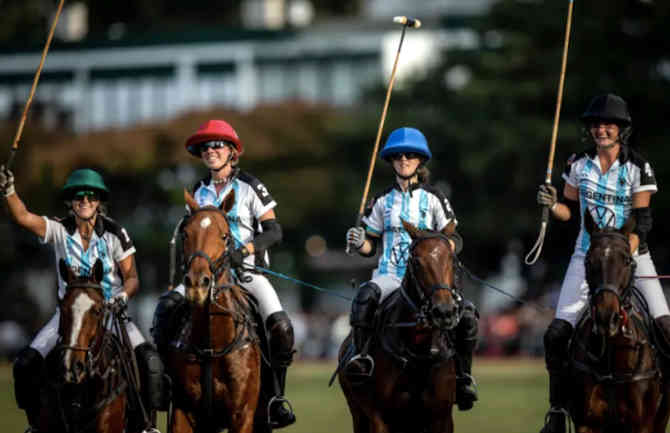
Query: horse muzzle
point(445, 316)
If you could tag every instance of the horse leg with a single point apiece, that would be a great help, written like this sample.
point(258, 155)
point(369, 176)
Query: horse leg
point(663, 413)
point(180, 422)
point(112, 418)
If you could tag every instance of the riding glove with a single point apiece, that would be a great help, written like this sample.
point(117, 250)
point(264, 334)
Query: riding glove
point(237, 256)
point(547, 195)
point(356, 237)
point(6, 181)
point(120, 300)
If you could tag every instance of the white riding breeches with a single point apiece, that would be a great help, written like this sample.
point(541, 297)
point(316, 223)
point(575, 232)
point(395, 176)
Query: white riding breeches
point(260, 287)
point(573, 299)
point(388, 283)
point(47, 338)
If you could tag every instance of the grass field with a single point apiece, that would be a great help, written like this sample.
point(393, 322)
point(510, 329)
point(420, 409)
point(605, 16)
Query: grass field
point(512, 399)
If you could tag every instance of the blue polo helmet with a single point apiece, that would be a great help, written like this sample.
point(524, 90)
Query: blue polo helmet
point(406, 140)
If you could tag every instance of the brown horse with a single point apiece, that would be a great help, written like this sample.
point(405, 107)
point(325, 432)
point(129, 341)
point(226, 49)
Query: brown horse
point(87, 390)
point(216, 371)
point(618, 385)
point(413, 385)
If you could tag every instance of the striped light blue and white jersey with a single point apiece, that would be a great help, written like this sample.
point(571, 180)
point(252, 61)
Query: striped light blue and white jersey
point(423, 205)
point(109, 242)
point(252, 200)
point(610, 193)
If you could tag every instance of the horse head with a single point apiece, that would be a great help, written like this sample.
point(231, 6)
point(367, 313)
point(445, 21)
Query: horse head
point(207, 243)
point(81, 323)
point(610, 268)
point(430, 271)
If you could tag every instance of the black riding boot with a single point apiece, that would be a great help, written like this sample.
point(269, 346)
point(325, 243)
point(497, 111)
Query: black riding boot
point(153, 382)
point(466, 332)
point(168, 319)
point(280, 331)
point(28, 375)
point(556, 342)
point(361, 366)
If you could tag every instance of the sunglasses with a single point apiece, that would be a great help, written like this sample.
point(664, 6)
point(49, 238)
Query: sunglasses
point(216, 144)
point(90, 195)
point(407, 155)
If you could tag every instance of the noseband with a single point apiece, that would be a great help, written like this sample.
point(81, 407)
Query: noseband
point(424, 309)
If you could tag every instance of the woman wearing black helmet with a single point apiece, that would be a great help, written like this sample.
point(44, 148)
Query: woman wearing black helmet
point(608, 179)
point(81, 238)
point(412, 199)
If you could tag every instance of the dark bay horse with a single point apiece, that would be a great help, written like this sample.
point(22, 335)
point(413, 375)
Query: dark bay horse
point(617, 381)
point(216, 370)
point(413, 385)
point(86, 389)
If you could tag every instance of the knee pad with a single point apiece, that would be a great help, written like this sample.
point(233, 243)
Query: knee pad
point(468, 326)
point(27, 370)
point(164, 325)
point(152, 371)
point(280, 330)
point(364, 304)
point(556, 342)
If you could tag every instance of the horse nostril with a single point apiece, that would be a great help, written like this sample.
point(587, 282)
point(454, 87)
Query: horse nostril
point(187, 281)
point(204, 281)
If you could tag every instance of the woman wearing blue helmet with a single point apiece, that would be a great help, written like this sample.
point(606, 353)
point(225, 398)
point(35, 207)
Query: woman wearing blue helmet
point(412, 199)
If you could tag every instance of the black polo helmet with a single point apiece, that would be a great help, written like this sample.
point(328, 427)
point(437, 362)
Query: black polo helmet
point(608, 107)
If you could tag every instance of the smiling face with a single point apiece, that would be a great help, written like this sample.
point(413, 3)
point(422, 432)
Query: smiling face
point(215, 157)
point(605, 133)
point(405, 164)
point(85, 204)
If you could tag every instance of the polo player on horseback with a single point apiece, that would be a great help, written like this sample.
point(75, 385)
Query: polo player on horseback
point(84, 236)
point(412, 199)
point(611, 179)
point(254, 228)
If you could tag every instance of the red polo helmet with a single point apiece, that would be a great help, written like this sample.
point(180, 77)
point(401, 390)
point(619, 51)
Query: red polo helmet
point(213, 130)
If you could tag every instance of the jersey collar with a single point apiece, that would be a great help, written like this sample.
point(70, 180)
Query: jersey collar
point(624, 153)
point(70, 224)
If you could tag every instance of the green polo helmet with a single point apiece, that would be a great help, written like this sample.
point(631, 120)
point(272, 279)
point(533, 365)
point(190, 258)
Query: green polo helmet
point(84, 179)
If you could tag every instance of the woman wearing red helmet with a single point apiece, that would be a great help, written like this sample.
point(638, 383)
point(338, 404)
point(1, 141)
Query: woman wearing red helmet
point(254, 227)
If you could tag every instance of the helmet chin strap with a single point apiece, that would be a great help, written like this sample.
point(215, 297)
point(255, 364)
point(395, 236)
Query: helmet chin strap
point(230, 157)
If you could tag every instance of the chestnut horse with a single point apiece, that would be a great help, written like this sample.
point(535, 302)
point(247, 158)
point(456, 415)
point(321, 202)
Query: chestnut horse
point(215, 367)
point(87, 390)
point(413, 385)
point(617, 383)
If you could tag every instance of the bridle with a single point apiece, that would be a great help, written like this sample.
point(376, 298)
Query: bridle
point(218, 268)
point(424, 308)
point(623, 293)
point(93, 351)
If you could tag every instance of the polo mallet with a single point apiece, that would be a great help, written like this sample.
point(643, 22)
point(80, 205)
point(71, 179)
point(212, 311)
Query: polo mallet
point(406, 22)
point(537, 248)
point(19, 131)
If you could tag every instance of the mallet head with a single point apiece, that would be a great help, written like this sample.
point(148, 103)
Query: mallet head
point(409, 22)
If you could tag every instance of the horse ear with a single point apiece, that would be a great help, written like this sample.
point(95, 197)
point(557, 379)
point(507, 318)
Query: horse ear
point(450, 228)
point(589, 224)
point(190, 201)
point(97, 271)
point(228, 202)
point(65, 272)
point(629, 225)
point(413, 231)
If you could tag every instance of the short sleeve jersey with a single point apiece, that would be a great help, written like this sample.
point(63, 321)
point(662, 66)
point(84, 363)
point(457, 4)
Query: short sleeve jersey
point(109, 242)
point(607, 195)
point(252, 200)
point(424, 206)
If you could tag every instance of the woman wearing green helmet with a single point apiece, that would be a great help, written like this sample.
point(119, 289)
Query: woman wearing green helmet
point(80, 239)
